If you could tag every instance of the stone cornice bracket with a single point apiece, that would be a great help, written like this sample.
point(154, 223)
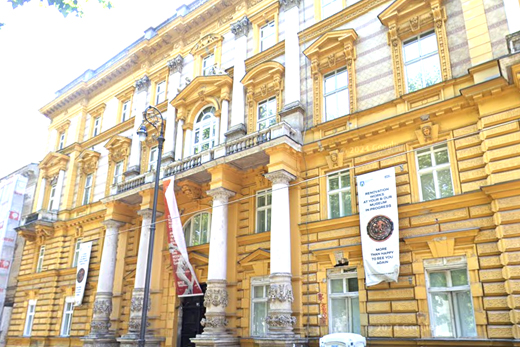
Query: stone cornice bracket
point(88, 162)
point(241, 27)
point(220, 194)
point(280, 177)
point(175, 64)
point(288, 4)
point(142, 83)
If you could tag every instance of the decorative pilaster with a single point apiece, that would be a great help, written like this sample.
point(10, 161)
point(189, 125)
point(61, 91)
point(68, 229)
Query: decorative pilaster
point(100, 335)
point(175, 66)
point(41, 194)
point(139, 105)
point(178, 140)
point(237, 127)
point(59, 188)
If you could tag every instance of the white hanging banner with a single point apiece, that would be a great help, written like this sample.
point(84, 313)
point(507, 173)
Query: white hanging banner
point(82, 272)
point(379, 225)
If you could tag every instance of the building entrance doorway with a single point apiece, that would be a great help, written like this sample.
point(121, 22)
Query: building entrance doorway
point(192, 313)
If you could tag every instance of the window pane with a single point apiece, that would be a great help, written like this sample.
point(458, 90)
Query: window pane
point(258, 292)
point(260, 223)
point(187, 235)
point(356, 323)
point(261, 201)
point(334, 205)
point(333, 183)
point(414, 79)
point(432, 70)
point(343, 102)
point(427, 187)
point(196, 231)
point(342, 79)
point(438, 279)
point(262, 111)
point(269, 198)
point(347, 205)
point(441, 157)
point(259, 315)
point(466, 314)
point(339, 316)
point(459, 277)
point(445, 186)
point(205, 133)
point(425, 161)
point(353, 285)
point(336, 286)
point(331, 107)
point(330, 84)
point(428, 44)
point(441, 317)
point(268, 219)
point(345, 181)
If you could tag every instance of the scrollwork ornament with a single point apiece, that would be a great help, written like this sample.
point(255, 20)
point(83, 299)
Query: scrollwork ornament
point(103, 307)
point(175, 64)
point(100, 326)
point(136, 305)
point(241, 27)
point(280, 292)
point(216, 297)
point(142, 83)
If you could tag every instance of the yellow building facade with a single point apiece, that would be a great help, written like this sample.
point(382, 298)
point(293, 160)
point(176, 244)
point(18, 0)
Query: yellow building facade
point(272, 110)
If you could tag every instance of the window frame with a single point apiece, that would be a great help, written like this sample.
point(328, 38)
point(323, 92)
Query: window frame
point(87, 189)
point(206, 70)
point(29, 318)
point(272, 25)
point(68, 310)
point(271, 102)
point(454, 315)
point(96, 126)
point(200, 125)
point(340, 190)
point(191, 221)
point(335, 92)
point(40, 259)
point(118, 178)
point(434, 169)
point(347, 295)
point(154, 151)
point(258, 282)
point(61, 140)
point(75, 255)
point(125, 112)
point(160, 93)
point(420, 58)
point(266, 210)
point(52, 197)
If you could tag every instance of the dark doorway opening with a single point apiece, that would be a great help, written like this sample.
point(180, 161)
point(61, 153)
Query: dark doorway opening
point(192, 313)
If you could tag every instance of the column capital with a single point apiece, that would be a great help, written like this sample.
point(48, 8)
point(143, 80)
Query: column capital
point(280, 176)
point(288, 4)
point(175, 64)
point(142, 83)
point(112, 223)
point(220, 194)
point(147, 213)
point(241, 27)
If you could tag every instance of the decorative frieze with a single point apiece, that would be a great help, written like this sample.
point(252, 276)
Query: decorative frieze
point(103, 306)
point(241, 27)
point(280, 292)
point(142, 83)
point(281, 321)
point(214, 322)
point(175, 64)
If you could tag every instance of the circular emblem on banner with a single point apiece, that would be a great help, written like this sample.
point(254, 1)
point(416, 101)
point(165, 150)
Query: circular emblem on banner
point(81, 275)
point(380, 228)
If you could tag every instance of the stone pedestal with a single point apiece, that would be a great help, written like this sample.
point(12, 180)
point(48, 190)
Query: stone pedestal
point(235, 132)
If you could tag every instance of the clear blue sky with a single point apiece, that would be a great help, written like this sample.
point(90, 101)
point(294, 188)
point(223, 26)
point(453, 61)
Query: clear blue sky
point(41, 52)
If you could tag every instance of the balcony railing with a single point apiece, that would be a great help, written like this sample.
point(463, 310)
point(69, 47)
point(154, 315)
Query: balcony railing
point(132, 183)
point(40, 216)
point(247, 142)
point(188, 163)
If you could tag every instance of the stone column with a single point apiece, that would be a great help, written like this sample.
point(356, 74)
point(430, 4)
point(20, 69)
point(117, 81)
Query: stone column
point(41, 194)
point(187, 140)
point(178, 141)
point(237, 127)
point(280, 294)
point(59, 188)
point(175, 66)
point(136, 304)
point(216, 297)
point(139, 105)
point(100, 336)
point(224, 117)
point(293, 110)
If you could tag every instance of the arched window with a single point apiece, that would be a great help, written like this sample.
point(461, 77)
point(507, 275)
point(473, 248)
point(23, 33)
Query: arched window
point(205, 131)
point(197, 229)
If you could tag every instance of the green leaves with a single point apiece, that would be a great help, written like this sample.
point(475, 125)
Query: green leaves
point(65, 7)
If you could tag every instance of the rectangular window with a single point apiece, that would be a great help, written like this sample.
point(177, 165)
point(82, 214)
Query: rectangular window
point(421, 61)
point(338, 194)
point(207, 64)
point(52, 198)
point(344, 303)
point(66, 321)
point(152, 160)
point(125, 111)
point(61, 143)
point(160, 92)
point(266, 113)
point(259, 306)
point(97, 126)
point(330, 7)
point(267, 36)
point(434, 171)
point(263, 211)
point(39, 263)
point(337, 98)
point(87, 190)
point(29, 319)
point(451, 305)
point(118, 172)
point(76, 252)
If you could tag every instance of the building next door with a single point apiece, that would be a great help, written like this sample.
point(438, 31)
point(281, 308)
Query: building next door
point(192, 313)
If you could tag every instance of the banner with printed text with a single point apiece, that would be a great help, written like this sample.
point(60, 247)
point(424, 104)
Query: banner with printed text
point(82, 272)
point(379, 225)
point(186, 283)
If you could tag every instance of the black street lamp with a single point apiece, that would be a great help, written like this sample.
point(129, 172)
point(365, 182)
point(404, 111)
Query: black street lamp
point(157, 121)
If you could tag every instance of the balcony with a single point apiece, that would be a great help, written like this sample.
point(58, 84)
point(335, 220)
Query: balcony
point(40, 216)
point(132, 183)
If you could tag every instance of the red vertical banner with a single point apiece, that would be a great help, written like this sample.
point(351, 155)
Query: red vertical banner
point(185, 280)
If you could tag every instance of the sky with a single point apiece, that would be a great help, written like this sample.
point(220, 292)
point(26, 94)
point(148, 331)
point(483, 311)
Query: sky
point(41, 52)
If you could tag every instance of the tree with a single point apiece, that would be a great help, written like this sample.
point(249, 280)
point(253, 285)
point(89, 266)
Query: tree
point(65, 7)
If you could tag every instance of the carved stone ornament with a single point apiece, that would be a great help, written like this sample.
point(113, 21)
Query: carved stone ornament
point(100, 326)
point(214, 322)
point(281, 320)
point(280, 292)
point(142, 83)
point(288, 4)
point(427, 132)
point(241, 27)
point(192, 191)
point(175, 64)
point(220, 194)
point(335, 159)
point(216, 297)
point(103, 306)
point(415, 23)
point(136, 304)
point(280, 177)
